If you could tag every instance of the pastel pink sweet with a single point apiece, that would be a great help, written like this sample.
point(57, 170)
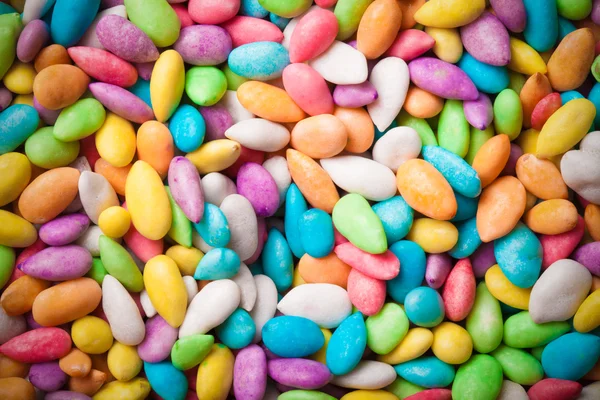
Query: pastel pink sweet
point(410, 44)
point(314, 33)
point(325, 3)
point(515, 153)
point(511, 13)
point(483, 259)
point(459, 291)
point(142, 247)
point(186, 188)
point(479, 113)
point(262, 238)
point(338, 237)
point(48, 116)
point(441, 78)
point(58, 263)
point(589, 256)
point(183, 15)
point(203, 45)
point(487, 40)
point(33, 37)
point(308, 89)
point(354, 96)
point(366, 293)
point(122, 102)
point(299, 373)
point(383, 266)
point(213, 12)
point(104, 66)
point(256, 184)
point(217, 120)
point(145, 69)
point(595, 14)
point(64, 230)
point(250, 373)
point(124, 39)
point(244, 30)
point(437, 268)
point(160, 338)
point(558, 247)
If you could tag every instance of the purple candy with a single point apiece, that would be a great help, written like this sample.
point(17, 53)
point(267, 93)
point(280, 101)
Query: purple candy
point(186, 188)
point(48, 116)
point(250, 373)
point(595, 15)
point(122, 102)
point(479, 113)
point(437, 269)
point(145, 70)
point(124, 39)
point(483, 259)
point(354, 96)
point(441, 78)
point(5, 98)
point(589, 256)
point(256, 184)
point(217, 120)
point(487, 40)
point(270, 355)
point(511, 164)
point(299, 373)
point(66, 395)
point(31, 323)
point(64, 230)
point(34, 36)
point(511, 13)
point(58, 263)
point(47, 376)
point(203, 45)
point(160, 338)
point(111, 3)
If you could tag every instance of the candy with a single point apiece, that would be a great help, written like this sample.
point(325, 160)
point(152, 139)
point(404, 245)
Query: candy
point(125, 39)
point(122, 313)
point(484, 322)
point(390, 77)
point(427, 372)
point(244, 30)
point(442, 79)
point(482, 374)
point(341, 64)
point(584, 350)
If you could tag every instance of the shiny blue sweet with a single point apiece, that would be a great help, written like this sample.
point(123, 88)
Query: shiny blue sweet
point(277, 260)
point(413, 258)
point(188, 128)
point(256, 268)
point(281, 22)
point(424, 307)
point(459, 174)
point(6, 9)
point(567, 96)
point(252, 8)
point(541, 31)
point(70, 20)
point(213, 227)
point(142, 90)
point(487, 78)
point(571, 356)
point(564, 28)
point(468, 239)
point(218, 263)
point(316, 232)
point(295, 206)
point(259, 60)
point(238, 330)
point(17, 123)
point(519, 255)
point(396, 217)
point(347, 345)
point(292, 337)
point(466, 207)
point(166, 380)
point(594, 97)
point(429, 372)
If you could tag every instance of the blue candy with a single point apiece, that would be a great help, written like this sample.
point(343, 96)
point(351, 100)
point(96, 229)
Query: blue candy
point(412, 269)
point(295, 206)
point(277, 260)
point(487, 78)
point(238, 330)
point(316, 232)
point(70, 20)
point(541, 30)
point(564, 28)
point(281, 22)
point(188, 128)
point(571, 356)
point(429, 372)
point(424, 307)
point(17, 123)
point(142, 90)
point(566, 97)
point(459, 174)
point(6, 9)
point(213, 227)
point(468, 239)
point(218, 263)
point(166, 380)
point(519, 255)
point(594, 97)
point(396, 217)
point(252, 8)
point(256, 268)
point(347, 345)
point(292, 337)
point(259, 60)
point(466, 207)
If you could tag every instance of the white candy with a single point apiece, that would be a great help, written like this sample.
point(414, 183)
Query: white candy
point(360, 175)
point(210, 307)
point(89, 240)
point(96, 194)
point(216, 187)
point(199, 243)
point(242, 225)
point(590, 392)
point(33, 10)
point(277, 167)
point(265, 305)
point(341, 64)
point(11, 326)
point(81, 164)
point(512, 391)
point(397, 146)
point(259, 134)
point(580, 169)
point(325, 304)
point(367, 375)
point(122, 313)
point(191, 287)
point(147, 305)
point(391, 79)
point(245, 282)
point(90, 39)
point(236, 109)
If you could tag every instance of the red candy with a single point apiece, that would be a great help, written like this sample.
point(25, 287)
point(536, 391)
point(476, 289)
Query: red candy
point(432, 394)
point(410, 44)
point(38, 345)
point(557, 247)
point(459, 291)
point(366, 294)
point(544, 109)
point(104, 66)
point(554, 389)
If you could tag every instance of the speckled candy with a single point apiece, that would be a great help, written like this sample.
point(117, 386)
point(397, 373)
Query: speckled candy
point(125, 39)
point(64, 230)
point(203, 45)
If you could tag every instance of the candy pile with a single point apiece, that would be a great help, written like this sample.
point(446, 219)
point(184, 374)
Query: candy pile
point(270, 199)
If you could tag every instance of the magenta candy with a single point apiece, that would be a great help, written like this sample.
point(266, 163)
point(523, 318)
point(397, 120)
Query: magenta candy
point(217, 120)
point(203, 45)
point(589, 256)
point(558, 247)
point(256, 184)
point(354, 96)
point(299, 373)
point(314, 33)
point(111, 3)
point(160, 338)
point(5, 98)
point(325, 3)
point(479, 113)
point(383, 266)
point(584, 203)
point(47, 376)
point(487, 40)
point(66, 395)
point(441, 78)
point(483, 259)
point(38, 345)
point(410, 44)
point(270, 355)
point(338, 237)
point(31, 322)
point(244, 30)
point(64, 230)
point(250, 373)
point(48, 116)
point(33, 37)
point(308, 89)
point(104, 66)
point(262, 238)
point(595, 14)
point(437, 269)
point(186, 188)
point(124, 39)
point(145, 70)
point(511, 164)
point(213, 12)
point(122, 102)
point(511, 13)
point(58, 263)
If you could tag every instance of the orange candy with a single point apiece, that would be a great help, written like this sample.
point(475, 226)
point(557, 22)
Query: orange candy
point(535, 89)
point(378, 27)
point(541, 177)
point(409, 8)
point(422, 104)
point(116, 176)
point(592, 220)
point(269, 102)
point(360, 128)
point(321, 136)
point(329, 269)
point(51, 55)
point(491, 158)
point(88, 384)
point(10, 368)
point(16, 389)
point(76, 363)
point(552, 217)
point(18, 297)
point(155, 146)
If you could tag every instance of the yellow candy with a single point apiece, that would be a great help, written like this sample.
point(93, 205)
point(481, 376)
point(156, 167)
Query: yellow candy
point(215, 374)
point(416, 342)
point(166, 84)
point(166, 289)
point(320, 355)
point(16, 231)
point(502, 289)
point(370, 395)
point(115, 140)
point(187, 259)
point(587, 316)
point(147, 201)
point(432, 235)
point(297, 279)
point(15, 171)
point(19, 78)
point(449, 13)
point(527, 140)
point(448, 46)
point(565, 128)
point(525, 59)
point(92, 335)
point(23, 99)
point(215, 155)
point(123, 361)
point(135, 389)
point(451, 343)
point(114, 221)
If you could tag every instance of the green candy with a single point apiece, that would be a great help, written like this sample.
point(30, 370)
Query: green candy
point(348, 14)
point(521, 332)
point(516, 81)
point(420, 125)
point(286, 8)
point(45, 151)
point(508, 114)
point(574, 9)
point(119, 264)
point(181, 226)
point(97, 272)
point(386, 328)
point(10, 29)
point(7, 263)
point(478, 138)
point(234, 81)
point(156, 18)
point(518, 365)
point(484, 322)
point(453, 130)
point(596, 68)
point(304, 395)
point(537, 352)
point(480, 378)
point(354, 218)
point(79, 120)
point(403, 388)
point(189, 351)
point(205, 85)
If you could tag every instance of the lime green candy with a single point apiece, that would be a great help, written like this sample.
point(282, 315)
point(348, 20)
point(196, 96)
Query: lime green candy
point(348, 14)
point(574, 9)
point(386, 328)
point(453, 130)
point(205, 85)
point(354, 218)
point(420, 125)
point(119, 264)
point(286, 8)
point(234, 81)
point(79, 120)
point(402, 388)
point(7, 263)
point(156, 18)
point(478, 139)
point(45, 151)
point(480, 378)
point(537, 352)
point(189, 351)
point(516, 81)
point(521, 332)
point(97, 272)
point(181, 226)
point(508, 114)
point(10, 29)
point(596, 68)
point(484, 322)
point(304, 395)
point(518, 365)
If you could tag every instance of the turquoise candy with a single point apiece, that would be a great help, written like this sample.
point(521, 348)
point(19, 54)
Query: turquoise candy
point(413, 258)
point(213, 227)
point(487, 78)
point(459, 174)
point(564, 28)
point(70, 20)
point(347, 345)
point(571, 356)
point(252, 8)
point(295, 206)
point(293, 337)
point(238, 330)
point(429, 372)
point(424, 307)
point(256, 268)
point(316, 232)
point(566, 97)
point(396, 217)
point(6, 9)
point(17, 123)
point(541, 31)
point(188, 128)
point(166, 380)
point(218, 263)
point(277, 260)
point(519, 255)
point(259, 60)
point(142, 90)
point(379, 134)
point(594, 97)
point(468, 239)
point(281, 22)
point(466, 207)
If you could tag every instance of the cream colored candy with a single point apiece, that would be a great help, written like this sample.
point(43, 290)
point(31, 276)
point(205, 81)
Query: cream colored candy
point(122, 313)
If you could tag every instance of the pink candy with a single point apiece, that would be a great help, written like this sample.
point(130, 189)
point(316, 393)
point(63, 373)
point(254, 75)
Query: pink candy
point(366, 294)
point(459, 291)
point(244, 30)
point(315, 32)
point(383, 266)
point(308, 89)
